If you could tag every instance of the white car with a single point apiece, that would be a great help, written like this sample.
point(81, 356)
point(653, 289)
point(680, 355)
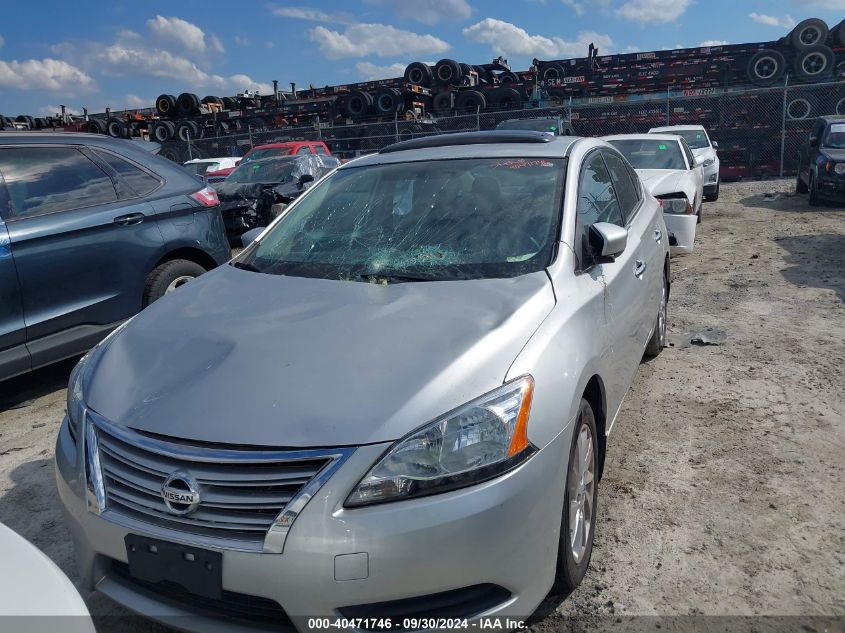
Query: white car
point(200, 166)
point(672, 174)
point(32, 585)
point(702, 147)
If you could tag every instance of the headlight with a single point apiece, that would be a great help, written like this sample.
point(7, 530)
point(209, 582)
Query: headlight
point(709, 162)
point(678, 206)
point(839, 168)
point(478, 441)
point(75, 402)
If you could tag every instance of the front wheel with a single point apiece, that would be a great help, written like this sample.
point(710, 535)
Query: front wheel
point(579, 503)
point(169, 276)
point(815, 201)
point(800, 185)
point(658, 340)
point(713, 197)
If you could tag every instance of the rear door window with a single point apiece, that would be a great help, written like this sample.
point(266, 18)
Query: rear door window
point(140, 182)
point(42, 180)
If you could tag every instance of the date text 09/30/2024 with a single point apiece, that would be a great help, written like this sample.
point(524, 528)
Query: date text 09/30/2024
point(415, 624)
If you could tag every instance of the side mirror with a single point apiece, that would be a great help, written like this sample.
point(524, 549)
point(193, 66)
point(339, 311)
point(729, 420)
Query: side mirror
point(607, 241)
point(715, 145)
point(814, 141)
point(304, 179)
point(249, 237)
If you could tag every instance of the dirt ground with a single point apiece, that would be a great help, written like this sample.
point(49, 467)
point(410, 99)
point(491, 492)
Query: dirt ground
point(723, 492)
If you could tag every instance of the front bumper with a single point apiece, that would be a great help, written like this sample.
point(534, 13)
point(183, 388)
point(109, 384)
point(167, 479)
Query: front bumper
point(831, 187)
point(503, 532)
point(711, 178)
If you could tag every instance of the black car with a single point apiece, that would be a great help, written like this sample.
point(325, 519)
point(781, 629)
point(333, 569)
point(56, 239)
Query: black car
point(92, 229)
point(821, 162)
point(258, 190)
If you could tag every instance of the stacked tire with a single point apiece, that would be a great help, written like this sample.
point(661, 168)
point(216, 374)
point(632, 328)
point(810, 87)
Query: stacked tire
point(810, 46)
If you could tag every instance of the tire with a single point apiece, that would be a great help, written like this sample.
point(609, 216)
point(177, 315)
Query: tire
point(506, 98)
point(814, 63)
point(211, 99)
point(358, 104)
point(580, 498)
point(554, 72)
point(229, 103)
point(442, 103)
point(388, 101)
point(40, 123)
point(801, 107)
point(163, 131)
point(470, 101)
point(447, 72)
point(800, 185)
point(168, 276)
point(815, 201)
point(713, 197)
point(483, 74)
point(811, 32)
point(95, 126)
point(186, 130)
point(657, 341)
point(187, 104)
point(418, 74)
point(557, 97)
point(170, 153)
point(766, 67)
point(166, 105)
point(507, 78)
point(117, 128)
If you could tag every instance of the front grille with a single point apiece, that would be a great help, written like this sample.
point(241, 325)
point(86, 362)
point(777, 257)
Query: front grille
point(231, 605)
point(242, 489)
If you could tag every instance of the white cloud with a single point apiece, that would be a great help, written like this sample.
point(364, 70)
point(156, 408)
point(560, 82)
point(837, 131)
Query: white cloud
point(714, 43)
point(53, 110)
point(822, 4)
point(242, 41)
point(184, 34)
point(135, 102)
point(361, 40)
point(506, 38)
point(312, 15)
point(2, 41)
point(653, 11)
point(578, 7)
point(44, 74)
point(428, 11)
point(241, 82)
point(786, 21)
point(370, 71)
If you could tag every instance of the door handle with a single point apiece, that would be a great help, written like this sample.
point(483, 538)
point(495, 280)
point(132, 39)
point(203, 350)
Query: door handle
point(129, 219)
point(639, 268)
point(658, 235)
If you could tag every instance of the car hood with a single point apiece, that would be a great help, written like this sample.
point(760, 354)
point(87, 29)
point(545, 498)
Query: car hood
point(833, 154)
point(239, 357)
point(664, 181)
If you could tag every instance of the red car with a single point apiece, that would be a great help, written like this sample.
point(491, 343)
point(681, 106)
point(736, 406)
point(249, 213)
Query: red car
point(288, 148)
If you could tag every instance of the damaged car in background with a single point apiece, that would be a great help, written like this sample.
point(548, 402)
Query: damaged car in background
point(672, 174)
point(259, 190)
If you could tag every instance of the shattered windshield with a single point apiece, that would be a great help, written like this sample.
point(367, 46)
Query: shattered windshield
point(648, 154)
point(270, 171)
point(270, 152)
point(421, 221)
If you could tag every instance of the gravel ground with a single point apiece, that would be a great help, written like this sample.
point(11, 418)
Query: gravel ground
point(723, 491)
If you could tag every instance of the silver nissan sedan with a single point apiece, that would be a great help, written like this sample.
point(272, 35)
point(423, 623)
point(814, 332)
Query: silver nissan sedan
point(392, 406)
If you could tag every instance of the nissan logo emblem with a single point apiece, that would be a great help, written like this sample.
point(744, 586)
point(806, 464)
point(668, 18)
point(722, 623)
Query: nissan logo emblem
point(180, 493)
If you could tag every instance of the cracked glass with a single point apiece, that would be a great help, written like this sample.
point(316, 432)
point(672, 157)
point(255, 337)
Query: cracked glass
point(420, 221)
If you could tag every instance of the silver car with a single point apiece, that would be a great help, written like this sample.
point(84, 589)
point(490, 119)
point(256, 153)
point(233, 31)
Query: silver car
point(394, 404)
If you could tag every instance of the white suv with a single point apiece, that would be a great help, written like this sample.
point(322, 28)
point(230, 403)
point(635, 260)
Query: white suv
point(701, 145)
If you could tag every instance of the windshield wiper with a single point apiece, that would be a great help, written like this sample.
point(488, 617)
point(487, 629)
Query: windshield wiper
point(246, 266)
point(388, 278)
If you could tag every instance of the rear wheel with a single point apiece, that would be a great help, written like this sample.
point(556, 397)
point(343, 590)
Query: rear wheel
point(579, 503)
point(712, 197)
point(169, 276)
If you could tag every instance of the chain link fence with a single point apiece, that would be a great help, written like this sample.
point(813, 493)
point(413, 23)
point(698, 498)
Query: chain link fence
point(759, 131)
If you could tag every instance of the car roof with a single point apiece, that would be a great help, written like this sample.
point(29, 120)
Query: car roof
point(206, 160)
point(555, 147)
point(833, 118)
point(283, 144)
point(643, 137)
point(668, 128)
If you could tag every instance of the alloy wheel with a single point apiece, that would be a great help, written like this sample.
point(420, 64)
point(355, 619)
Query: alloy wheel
point(581, 484)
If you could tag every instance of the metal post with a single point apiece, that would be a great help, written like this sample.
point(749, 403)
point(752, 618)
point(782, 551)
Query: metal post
point(570, 108)
point(396, 126)
point(249, 129)
point(478, 118)
point(783, 123)
point(190, 153)
point(668, 114)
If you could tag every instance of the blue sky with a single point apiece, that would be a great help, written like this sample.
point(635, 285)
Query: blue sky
point(123, 54)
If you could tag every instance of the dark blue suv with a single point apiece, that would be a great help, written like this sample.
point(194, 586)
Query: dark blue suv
point(92, 229)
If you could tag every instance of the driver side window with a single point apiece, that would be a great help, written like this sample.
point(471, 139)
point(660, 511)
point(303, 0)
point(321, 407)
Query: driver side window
point(596, 196)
